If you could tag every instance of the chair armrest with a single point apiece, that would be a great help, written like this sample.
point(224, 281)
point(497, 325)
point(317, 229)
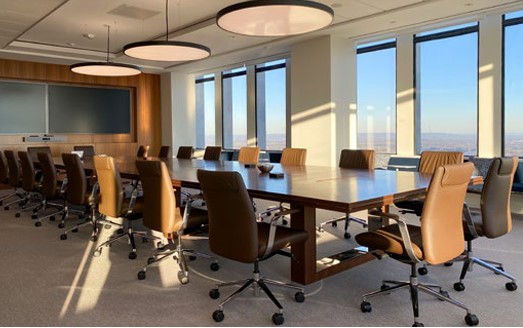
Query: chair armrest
point(469, 222)
point(132, 201)
point(272, 235)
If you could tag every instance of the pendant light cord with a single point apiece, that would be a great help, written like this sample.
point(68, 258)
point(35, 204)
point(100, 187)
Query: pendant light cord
point(108, 33)
point(166, 20)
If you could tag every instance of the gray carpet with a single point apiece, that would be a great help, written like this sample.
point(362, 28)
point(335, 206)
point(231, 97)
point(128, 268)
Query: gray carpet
point(49, 282)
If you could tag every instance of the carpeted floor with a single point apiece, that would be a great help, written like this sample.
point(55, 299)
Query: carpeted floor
point(49, 282)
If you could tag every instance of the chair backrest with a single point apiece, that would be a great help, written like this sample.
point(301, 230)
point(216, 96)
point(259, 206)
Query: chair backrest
point(429, 161)
point(212, 153)
point(164, 151)
point(33, 152)
point(357, 159)
point(111, 191)
point(4, 168)
point(15, 174)
point(143, 151)
point(76, 181)
point(233, 232)
point(185, 152)
point(28, 171)
point(87, 149)
point(249, 155)
point(49, 176)
point(495, 197)
point(293, 156)
point(441, 219)
point(160, 212)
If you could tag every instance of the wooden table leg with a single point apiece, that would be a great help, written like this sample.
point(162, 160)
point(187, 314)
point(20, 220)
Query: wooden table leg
point(303, 264)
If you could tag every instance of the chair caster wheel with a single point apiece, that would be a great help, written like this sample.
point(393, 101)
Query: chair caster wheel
point(447, 264)
point(500, 268)
point(34, 216)
point(511, 286)
point(334, 224)
point(38, 224)
point(63, 236)
point(423, 271)
point(418, 324)
point(132, 255)
point(182, 277)
point(445, 294)
point(346, 235)
point(61, 225)
point(471, 319)
point(214, 293)
point(215, 266)
point(145, 240)
point(17, 215)
point(52, 218)
point(97, 253)
point(150, 260)
point(278, 319)
point(284, 222)
point(459, 287)
point(192, 257)
point(6, 208)
point(365, 307)
point(218, 316)
point(299, 297)
point(119, 231)
point(384, 286)
point(75, 230)
point(141, 275)
point(94, 238)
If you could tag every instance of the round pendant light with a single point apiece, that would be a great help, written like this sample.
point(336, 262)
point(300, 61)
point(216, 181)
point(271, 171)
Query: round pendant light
point(105, 68)
point(274, 17)
point(166, 50)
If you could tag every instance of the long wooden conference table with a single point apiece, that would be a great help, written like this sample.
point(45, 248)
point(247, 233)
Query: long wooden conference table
point(305, 188)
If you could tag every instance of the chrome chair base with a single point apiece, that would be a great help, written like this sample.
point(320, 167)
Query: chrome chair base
point(347, 218)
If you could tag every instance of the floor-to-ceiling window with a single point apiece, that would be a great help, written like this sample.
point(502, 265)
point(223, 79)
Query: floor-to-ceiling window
point(271, 105)
point(376, 74)
point(446, 89)
point(234, 102)
point(205, 111)
point(513, 84)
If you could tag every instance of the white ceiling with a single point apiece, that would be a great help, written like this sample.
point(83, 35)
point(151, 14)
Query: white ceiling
point(52, 31)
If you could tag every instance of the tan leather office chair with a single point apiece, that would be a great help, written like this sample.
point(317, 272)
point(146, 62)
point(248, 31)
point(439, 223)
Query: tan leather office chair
point(52, 189)
point(81, 193)
point(14, 180)
point(185, 152)
point(249, 155)
point(32, 198)
point(428, 162)
point(161, 213)
point(493, 220)
point(143, 151)
point(289, 157)
point(212, 153)
point(164, 151)
point(113, 203)
point(439, 238)
point(87, 149)
point(235, 234)
point(362, 159)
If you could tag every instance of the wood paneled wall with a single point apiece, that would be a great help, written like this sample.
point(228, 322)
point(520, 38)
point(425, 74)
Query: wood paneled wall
point(145, 118)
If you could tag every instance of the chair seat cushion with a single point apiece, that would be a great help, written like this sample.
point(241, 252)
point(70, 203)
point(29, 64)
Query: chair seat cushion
point(388, 239)
point(284, 237)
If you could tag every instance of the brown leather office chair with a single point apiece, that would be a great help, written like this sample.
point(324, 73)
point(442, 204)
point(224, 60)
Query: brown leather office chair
point(164, 151)
point(87, 149)
point(439, 238)
point(235, 234)
point(31, 187)
point(112, 203)
point(161, 213)
point(81, 193)
point(185, 152)
point(52, 189)
point(33, 152)
point(212, 153)
point(362, 159)
point(249, 155)
point(4, 176)
point(493, 220)
point(428, 162)
point(14, 180)
point(143, 151)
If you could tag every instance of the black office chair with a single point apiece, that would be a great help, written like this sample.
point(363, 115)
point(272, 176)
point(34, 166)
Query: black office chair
point(164, 151)
point(212, 153)
point(185, 152)
point(234, 233)
point(492, 221)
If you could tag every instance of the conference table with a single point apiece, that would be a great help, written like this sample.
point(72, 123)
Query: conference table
point(306, 189)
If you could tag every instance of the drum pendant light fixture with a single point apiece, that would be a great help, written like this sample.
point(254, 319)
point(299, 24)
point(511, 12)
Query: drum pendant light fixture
point(274, 17)
point(105, 68)
point(166, 50)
